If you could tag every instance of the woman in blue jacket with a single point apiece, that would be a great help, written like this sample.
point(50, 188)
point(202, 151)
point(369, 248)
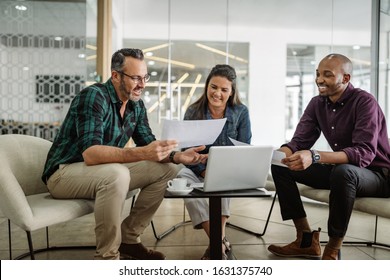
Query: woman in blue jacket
point(219, 100)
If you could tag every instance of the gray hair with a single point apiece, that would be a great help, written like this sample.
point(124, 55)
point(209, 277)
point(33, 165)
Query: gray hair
point(118, 58)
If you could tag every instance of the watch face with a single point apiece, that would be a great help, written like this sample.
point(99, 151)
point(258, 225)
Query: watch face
point(315, 156)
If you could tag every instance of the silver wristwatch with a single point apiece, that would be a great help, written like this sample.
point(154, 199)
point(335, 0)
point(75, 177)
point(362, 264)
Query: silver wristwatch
point(315, 156)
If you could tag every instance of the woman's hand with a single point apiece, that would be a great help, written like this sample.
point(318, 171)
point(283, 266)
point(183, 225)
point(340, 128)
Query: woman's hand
point(191, 156)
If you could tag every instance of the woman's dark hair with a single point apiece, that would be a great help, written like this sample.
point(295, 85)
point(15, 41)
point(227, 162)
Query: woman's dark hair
point(118, 58)
point(199, 107)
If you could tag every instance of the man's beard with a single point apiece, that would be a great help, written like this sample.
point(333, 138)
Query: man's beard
point(127, 94)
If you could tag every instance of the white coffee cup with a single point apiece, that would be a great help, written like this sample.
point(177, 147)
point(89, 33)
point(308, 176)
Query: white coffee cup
point(177, 183)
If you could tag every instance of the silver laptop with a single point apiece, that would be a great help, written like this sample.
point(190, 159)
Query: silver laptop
point(236, 168)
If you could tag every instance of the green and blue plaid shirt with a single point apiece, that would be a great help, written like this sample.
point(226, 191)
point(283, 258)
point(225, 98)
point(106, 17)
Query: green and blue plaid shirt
point(94, 119)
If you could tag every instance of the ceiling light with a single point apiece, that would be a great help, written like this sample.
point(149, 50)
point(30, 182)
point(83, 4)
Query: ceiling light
point(91, 57)
point(164, 96)
point(221, 52)
point(25, 68)
point(155, 105)
point(151, 62)
point(21, 7)
point(153, 73)
point(191, 93)
point(155, 48)
point(149, 54)
point(361, 61)
point(58, 38)
point(81, 55)
point(175, 62)
point(91, 47)
point(356, 47)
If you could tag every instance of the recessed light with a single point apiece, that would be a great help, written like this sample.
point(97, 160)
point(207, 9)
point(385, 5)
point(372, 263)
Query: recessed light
point(58, 38)
point(153, 73)
point(149, 54)
point(81, 55)
point(25, 68)
point(151, 62)
point(356, 47)
point(21, 7)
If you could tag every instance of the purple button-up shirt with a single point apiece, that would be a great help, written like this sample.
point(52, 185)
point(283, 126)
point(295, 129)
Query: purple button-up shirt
point(354, 124)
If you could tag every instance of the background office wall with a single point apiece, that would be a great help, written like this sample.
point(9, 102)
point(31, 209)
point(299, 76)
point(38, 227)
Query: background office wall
point(268, 27)
point(43, 63)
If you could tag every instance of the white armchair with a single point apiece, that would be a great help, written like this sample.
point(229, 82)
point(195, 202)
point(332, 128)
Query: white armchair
point(24, 198)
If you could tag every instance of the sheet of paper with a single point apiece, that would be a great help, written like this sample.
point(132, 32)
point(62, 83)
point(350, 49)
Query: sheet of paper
point(192, 133)
point(277, 156)
point(238, 143)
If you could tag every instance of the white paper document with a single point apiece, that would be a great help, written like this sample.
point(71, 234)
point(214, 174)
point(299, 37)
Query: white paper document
point(192, 133)
point(277, 156)
point(238, 143)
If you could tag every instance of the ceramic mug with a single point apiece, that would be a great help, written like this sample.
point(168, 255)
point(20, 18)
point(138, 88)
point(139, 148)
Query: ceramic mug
point(177, 183)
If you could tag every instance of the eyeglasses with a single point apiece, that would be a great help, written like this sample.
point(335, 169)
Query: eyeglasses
point(137, 79)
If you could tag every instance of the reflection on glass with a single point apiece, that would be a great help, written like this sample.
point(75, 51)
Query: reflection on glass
point(45, 53)
point(384, 59)
point(191, 62)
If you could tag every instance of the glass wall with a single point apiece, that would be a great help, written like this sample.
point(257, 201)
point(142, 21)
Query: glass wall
point(384, 59)
point(193, 40)
point(300, 78)
point(268, 37)
point(48, 52)
point(45, 59)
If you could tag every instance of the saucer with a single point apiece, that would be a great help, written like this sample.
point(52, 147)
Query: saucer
point(180, 192)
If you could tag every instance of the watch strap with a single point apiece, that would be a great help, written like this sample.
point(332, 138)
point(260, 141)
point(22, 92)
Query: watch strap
point(315, 156)
point(171, 157)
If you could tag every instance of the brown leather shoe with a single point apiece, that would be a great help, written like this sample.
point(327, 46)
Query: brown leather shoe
point(330, 253)
point(139, 252)
point(307, 245)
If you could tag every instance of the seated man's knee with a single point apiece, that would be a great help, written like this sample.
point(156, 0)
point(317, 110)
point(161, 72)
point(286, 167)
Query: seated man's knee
point(117, 178)
point(158, 171)
point(343, 177)
point(277, 170)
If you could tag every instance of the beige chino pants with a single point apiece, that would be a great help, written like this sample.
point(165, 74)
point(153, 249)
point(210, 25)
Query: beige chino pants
point(109, 184)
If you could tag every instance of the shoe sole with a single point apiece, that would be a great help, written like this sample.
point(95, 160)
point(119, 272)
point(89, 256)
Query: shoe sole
point(129, 257)
point(311, 257)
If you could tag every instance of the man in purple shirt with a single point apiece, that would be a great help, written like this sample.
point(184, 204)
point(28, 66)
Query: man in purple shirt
point(355, 128)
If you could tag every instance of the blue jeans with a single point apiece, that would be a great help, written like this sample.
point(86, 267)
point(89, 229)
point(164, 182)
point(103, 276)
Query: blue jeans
point(345, 182)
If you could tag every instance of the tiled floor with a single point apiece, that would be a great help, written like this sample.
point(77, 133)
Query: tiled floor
point(186, 243)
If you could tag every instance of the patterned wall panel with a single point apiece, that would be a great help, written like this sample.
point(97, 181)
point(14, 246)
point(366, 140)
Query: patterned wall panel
point(42, 64)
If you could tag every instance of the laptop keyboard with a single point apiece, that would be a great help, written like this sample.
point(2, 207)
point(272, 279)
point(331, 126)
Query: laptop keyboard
point(198, 186)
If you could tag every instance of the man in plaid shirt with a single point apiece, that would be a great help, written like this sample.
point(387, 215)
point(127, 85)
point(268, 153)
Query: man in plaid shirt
point(88, 158)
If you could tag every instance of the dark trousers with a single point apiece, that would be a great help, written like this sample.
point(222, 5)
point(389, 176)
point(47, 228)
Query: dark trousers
point(345, 182)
